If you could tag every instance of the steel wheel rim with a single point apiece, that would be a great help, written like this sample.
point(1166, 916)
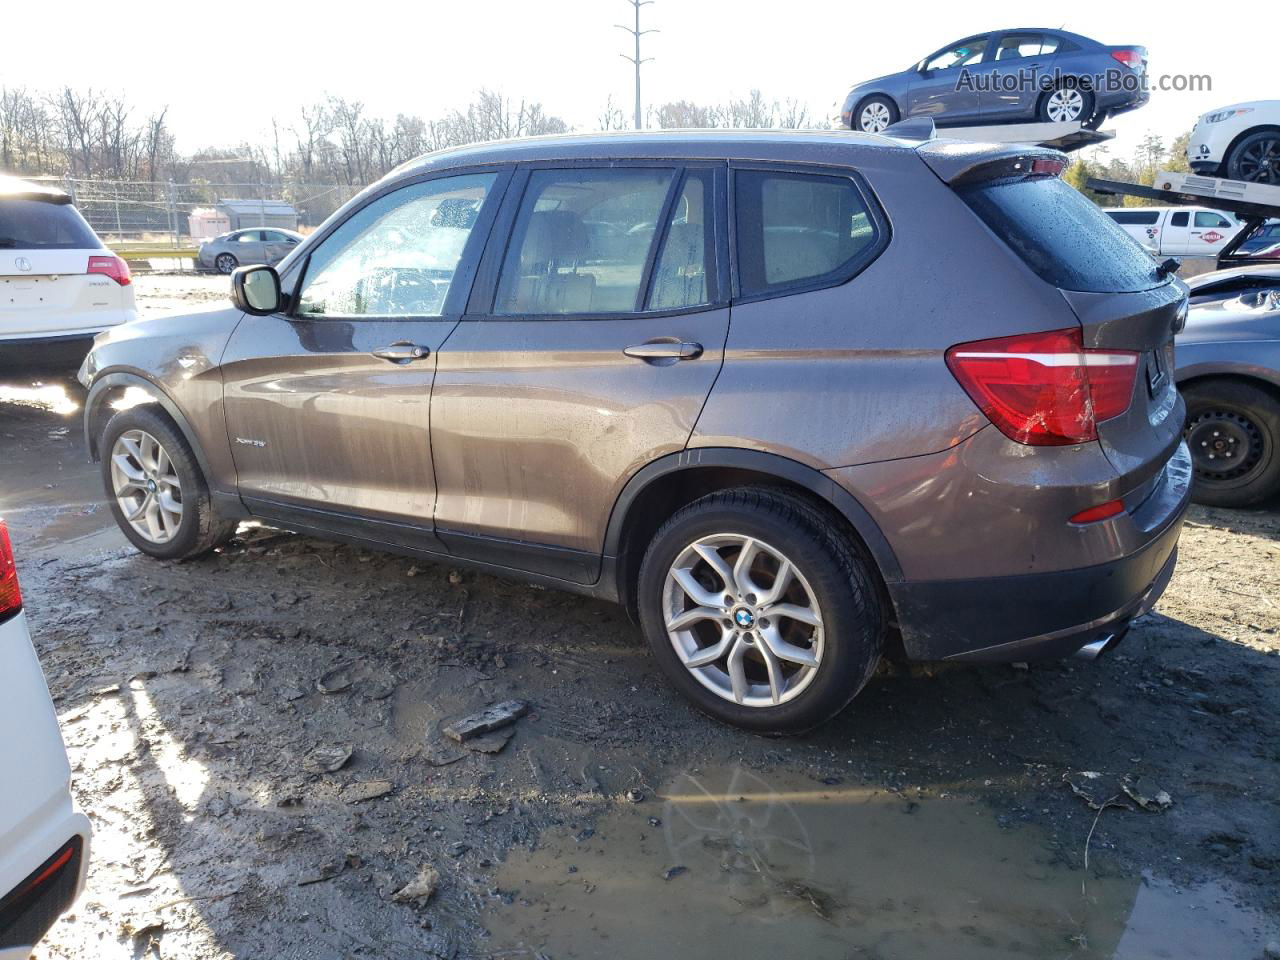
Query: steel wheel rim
point(1226, 447)
point(146, 486)
point(1260, 163)
point(1065, 105)
point(875, 117)
point(743, 620)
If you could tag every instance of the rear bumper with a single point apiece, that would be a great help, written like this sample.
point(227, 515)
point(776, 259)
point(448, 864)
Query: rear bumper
point(70, 348)
point(1054, 614)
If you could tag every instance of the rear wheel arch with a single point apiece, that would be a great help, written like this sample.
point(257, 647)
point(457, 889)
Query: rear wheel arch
point(663, 487)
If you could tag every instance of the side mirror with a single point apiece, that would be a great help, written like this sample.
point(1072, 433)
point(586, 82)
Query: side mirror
point(256, 290)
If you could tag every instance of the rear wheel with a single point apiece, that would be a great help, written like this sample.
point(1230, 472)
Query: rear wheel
point(875, 114)
point(760, 611)
point(225, 262)
point(1233, 432)
point(157, 493)
point(1068, 103)
point(1256, 158)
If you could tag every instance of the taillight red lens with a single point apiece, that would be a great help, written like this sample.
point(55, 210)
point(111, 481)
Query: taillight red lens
point(1130, 58)
point(113, 267)
point(1045, 389)
point(10, 595)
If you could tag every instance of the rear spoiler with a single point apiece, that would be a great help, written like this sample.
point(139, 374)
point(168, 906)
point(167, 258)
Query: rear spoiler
point(12, 187)
point(957, 162)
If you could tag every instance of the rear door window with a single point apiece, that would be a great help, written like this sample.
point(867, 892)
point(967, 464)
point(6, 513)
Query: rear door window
point(39, 225)
point(1062, 235)
point(799, 230)
point(581, 241)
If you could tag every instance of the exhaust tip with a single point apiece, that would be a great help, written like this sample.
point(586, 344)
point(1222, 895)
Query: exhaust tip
point(1092, 651)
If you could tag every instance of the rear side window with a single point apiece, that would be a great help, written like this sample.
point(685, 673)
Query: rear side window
point(797, 229)
point(1179, 219)
point(40, 225)
point(1062, 235)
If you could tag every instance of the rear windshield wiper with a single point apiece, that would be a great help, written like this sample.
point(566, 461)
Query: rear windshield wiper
point(8, 242)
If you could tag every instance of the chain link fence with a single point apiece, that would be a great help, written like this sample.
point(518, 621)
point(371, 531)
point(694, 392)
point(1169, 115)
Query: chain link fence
point(141, 218)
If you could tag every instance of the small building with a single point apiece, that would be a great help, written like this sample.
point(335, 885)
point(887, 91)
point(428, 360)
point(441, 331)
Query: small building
point(205, 222)
point(258, 213)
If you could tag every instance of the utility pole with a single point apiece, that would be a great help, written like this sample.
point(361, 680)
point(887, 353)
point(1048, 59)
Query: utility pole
point(637, 33)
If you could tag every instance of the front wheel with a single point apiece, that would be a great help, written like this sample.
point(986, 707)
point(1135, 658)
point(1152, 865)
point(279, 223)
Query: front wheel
point(760, 611)
point(157, 493)
point(1233, 433)
point(1256, 158)
point(875, 114)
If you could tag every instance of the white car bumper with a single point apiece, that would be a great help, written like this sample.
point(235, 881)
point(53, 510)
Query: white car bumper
point(37, 815)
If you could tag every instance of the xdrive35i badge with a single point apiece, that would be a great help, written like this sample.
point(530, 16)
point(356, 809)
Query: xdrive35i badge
point(249, 442)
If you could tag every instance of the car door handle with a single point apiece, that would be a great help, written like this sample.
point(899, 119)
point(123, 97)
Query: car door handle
point(664, 350)
point(402, 351)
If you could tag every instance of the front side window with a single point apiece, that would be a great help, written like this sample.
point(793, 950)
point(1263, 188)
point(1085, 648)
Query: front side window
point(581, 241)
point(795, 228)
point(962, 55)
point(1205, 218)
point(397, 256)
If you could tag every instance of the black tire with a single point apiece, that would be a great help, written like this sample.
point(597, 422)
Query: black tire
point(1256, 158)
point(1239, 424)
point(225, 263)
point(1086, 108)
point(843, 581)
point(200, 528)
point(856, 119)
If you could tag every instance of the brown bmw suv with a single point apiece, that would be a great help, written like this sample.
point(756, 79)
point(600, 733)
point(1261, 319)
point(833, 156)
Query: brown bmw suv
point(798, 400)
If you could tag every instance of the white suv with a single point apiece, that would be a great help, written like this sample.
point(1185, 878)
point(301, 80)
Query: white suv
point(59, 286)
point(44, 839)
point(1239, 142)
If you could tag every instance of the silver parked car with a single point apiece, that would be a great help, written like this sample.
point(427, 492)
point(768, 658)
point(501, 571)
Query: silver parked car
point(1228, 369)
point(244, 247)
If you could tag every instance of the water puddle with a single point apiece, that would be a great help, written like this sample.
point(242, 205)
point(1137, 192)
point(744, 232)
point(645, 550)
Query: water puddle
point(729, 864)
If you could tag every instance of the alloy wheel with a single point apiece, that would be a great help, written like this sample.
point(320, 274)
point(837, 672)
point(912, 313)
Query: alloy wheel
point(146, 486)
point(743, 620)
point(874, 117)
point(1065, 105)
point(1260, 161)
point(225, 263)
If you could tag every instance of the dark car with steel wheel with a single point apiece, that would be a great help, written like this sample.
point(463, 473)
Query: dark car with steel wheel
point(1228, 370)
point(721, 378)
point(1027, 75)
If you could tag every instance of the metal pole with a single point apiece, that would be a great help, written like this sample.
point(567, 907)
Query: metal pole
point(173, 215)
point(637, 33)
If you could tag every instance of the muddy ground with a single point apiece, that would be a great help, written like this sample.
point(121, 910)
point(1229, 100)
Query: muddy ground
point(256, 737)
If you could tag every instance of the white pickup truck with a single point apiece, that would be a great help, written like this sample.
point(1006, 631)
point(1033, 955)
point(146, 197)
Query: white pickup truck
point(1177, 231)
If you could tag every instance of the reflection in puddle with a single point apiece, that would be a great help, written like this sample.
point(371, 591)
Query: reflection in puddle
point(726, 864)
point(52, 397)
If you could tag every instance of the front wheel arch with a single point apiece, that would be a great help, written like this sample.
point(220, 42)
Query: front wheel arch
point(1240, 137)
point(110, 388)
